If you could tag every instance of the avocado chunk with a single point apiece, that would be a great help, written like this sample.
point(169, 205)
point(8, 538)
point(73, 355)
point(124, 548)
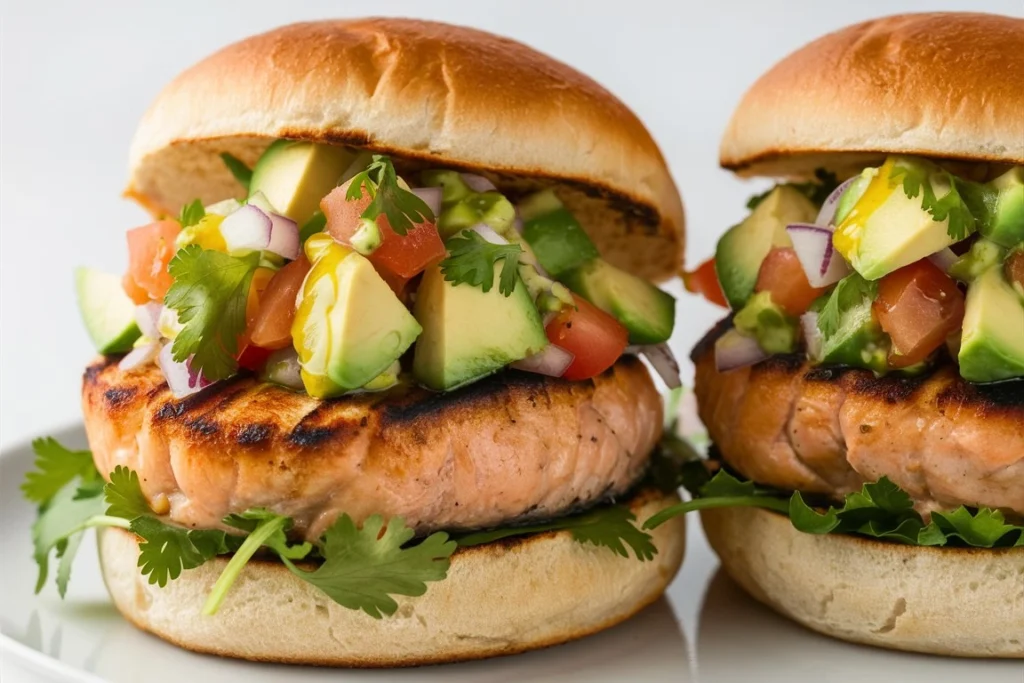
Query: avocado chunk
point(646, 311)
point(108, 313)
point(766, 322)
point(886, 230)
point(992, 348)
point(1006, 224)
point(349, 326)
point(982, 255)
point(294, 176)
point(859, 342)
point(469, 333)
point(462, 207)
point(744, 247)
point(554, 234)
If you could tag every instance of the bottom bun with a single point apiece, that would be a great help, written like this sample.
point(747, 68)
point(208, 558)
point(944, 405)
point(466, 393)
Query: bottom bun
point(967, 602)
point(498, 599)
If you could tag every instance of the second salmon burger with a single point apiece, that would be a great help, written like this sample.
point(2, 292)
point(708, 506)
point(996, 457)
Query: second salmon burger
point(382, 402)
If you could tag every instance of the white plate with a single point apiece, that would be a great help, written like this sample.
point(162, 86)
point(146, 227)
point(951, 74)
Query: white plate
point(705, 630)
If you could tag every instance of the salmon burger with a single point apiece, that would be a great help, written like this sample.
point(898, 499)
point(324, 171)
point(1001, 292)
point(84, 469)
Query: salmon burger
point(865, 397)
point(370, 389)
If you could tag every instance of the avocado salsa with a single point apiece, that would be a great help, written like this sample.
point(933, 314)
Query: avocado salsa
point(893, 270)
point(335, 275)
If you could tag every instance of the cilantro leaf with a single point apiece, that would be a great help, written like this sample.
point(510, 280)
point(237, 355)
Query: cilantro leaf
point(58, 528)
point(363, 568)
point(238, 168)
point(166, 550)
point(403, 209)
point(848, 293)
point(471, 261)
point(722, 490)
point(610, 526)
point(191, 214)
point(209, 293)
point(816, 190)
point(124, 495)
point(55, 468)
point(917, 180)
point(985, 528)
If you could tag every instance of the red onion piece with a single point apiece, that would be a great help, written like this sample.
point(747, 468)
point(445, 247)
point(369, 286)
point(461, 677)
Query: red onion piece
point(944, 259)
point(283, 368)
point(147, 316)
point(284, 237)
point(552, 361)
point(247, 229)
point(828, 208)
point(181, 379)
point(139, 356)
point(477, 183)
point(822, 264)
point(488, 233)
point(664, 362)
point(734, 350)
point(812, 335)
point(431, 196)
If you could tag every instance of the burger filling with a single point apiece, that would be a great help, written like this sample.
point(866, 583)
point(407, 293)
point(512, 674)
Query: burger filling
point(336, 276)
point(332, 288)
point(901, 267)
point(910, 271)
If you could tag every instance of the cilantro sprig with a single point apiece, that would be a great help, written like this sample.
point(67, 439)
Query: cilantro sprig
point(210, 293)
point(364, 567)
point(403, 209)
point(471, 260)
point(880, 510)
point(609, 526)
point(917, 181)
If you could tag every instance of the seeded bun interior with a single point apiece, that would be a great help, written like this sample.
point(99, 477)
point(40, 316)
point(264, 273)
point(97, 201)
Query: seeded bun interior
point(502, 598)
point(966, 602)
point(946, 85)
point(431, 94)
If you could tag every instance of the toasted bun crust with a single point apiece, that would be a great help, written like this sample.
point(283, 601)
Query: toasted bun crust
point(432, 94)
point(947, 85)
point(498, 599)
point(948, 601)
point(509, 448)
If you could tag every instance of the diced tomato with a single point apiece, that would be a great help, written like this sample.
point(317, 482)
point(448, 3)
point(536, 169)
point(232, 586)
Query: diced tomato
point(400, 255)
point(250, 356)
point(134, 292)
point(783, 276)
point(704, 281)
point(1015, 268)
point(271, 327)
point(595, 338)
point(150, 249)
point(253, 357)
point(918, 306)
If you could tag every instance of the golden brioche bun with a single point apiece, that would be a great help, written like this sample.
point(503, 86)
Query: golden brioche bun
point(967, 602)
point(502, 598)
point(431, 94)
point(946, 85)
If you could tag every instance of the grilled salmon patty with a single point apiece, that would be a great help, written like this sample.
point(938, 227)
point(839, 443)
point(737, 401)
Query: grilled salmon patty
point(790, 425)
point(511, 447)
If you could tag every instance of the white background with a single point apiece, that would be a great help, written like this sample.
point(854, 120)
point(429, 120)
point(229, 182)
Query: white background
point(76, 77)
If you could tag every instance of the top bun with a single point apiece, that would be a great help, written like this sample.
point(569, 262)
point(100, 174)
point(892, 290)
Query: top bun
point(432, 95)
point(946, 85)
